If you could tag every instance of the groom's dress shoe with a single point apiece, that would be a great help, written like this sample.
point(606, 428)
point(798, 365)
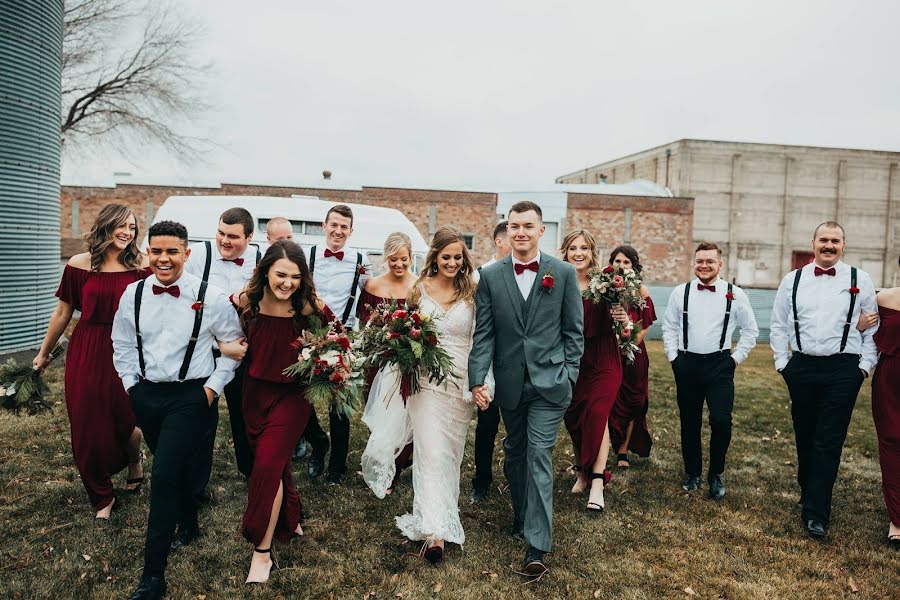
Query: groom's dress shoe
point(690, 484)
point(518, 530)
point(184, 537)
point(815, 529)
point(716, 488)
point(533, 565)
point(149, 588)
point(479, 494)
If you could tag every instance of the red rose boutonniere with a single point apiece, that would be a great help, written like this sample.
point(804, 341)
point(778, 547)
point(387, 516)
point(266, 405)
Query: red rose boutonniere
point(362, 269)
point(547, 281)
point(197, 305)
point(729, 296)
point(854, 290)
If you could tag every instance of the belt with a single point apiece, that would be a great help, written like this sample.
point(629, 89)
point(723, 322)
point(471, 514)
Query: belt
point(710, 355)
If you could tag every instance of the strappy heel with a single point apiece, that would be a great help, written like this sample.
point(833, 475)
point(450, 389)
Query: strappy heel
point(622, 461)
point(136, 480)
point(433, 554)
point(606, 477)
point(273, 564)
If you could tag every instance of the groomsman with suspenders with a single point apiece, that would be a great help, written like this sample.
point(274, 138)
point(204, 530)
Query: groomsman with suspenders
point(824, 359)
point(488, 419)
point(698, 327)
point(228, 265)
point(339, 273)
point(161, 336)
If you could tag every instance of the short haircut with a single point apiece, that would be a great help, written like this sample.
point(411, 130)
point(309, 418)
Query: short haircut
point(238, 216)
point(500, 229)
point(526, 205)
point(276, 221)
point(708, 246)
point(168, 228)
point(830, 225)
point(341, 209)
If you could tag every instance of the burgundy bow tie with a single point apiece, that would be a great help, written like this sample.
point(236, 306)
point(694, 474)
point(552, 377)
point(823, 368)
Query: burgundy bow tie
point(702, 287)
point(520, 268)
point(338, 255)
point(830, 271)
point(172, 289)
point(238, 261)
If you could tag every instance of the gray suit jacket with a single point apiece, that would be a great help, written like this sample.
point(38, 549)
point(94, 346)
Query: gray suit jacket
point(543, 334)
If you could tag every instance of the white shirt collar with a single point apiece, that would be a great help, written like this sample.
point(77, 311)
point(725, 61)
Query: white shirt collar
point(536, 259)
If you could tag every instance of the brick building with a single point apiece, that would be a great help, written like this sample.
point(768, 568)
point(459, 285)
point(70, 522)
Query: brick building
point(659, 227)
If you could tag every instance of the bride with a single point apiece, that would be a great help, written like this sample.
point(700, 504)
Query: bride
point(440, 413)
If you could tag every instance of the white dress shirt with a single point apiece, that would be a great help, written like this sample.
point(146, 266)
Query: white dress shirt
point(526, 279)
point(224, 274)
point(490, 262)
point(706, 317)
point(166, 326)
point(333, 279)
point(822, 306)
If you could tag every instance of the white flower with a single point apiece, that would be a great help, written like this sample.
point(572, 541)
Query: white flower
point(306, 353)
point(11, 390)
point(331, 357)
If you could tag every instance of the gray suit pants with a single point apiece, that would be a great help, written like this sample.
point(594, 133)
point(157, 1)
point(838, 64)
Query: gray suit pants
point(531, 430)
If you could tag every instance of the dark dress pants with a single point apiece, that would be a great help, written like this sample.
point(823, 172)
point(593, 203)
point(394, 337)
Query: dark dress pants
point(485, 435)
point(823, 393)
point(340, 440)
point(173, 418)
point(705, 378)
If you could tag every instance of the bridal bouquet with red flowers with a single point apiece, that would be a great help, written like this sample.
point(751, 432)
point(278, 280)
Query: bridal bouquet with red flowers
point(618, 287)
point(328, 368)
point(408, 340)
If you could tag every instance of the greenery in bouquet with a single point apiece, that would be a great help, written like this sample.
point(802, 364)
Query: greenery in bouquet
point(627, 338)
point(618, 286)
point(23, 388)
point(403, 337)
point(327, 367)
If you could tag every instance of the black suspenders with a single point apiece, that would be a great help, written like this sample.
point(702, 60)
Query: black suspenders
point(849, 312)
point(198, 318)
point(353, 287)
point(684, 316)
point(208, 264)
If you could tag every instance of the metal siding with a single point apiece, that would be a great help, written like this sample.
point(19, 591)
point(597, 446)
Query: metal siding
point(30, 62)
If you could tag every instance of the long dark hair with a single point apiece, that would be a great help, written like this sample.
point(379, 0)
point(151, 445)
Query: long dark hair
point(100, 237)
point(304, 295)
point(632, 255)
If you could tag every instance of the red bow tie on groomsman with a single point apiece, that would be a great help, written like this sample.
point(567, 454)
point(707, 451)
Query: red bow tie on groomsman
point(238, 261)
point(520, 268)
point(702, 287)
point(172, 289)
point(338, 255)
point(830, 271)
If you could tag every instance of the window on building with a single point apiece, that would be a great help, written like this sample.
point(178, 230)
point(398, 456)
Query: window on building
point(469, 239)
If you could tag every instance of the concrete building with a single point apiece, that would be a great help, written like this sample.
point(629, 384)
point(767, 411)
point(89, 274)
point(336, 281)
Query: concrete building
point(763, 201)
point(644, 215)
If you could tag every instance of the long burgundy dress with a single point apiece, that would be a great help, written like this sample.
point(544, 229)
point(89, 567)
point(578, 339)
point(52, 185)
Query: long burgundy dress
point(275, 414)
point(598, 384)
point(100, 415)
point(368, 301)
point(633, 399)
point(886, 407)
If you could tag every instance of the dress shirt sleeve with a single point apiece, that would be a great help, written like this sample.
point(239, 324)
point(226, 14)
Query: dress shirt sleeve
point(226, 327)
point(746, 320)
point(671, 324)
point(124, 341)
point(197, 260)
point(868, 303)
point(779, 333)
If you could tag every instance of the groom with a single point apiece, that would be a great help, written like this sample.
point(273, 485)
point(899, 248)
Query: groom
point(535, 348)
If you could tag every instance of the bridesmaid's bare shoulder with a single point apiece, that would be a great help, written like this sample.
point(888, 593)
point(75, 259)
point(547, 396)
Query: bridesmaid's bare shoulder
point(645, 293)
point(889, 298)
point(81, 261)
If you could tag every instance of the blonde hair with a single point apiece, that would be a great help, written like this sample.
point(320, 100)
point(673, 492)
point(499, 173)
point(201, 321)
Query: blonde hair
point(463, 282)
point(591, 242)
point(395, 242)
point(111, 217)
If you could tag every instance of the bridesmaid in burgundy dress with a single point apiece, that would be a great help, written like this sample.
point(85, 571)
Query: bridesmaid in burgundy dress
point(105, 438)
point(599, 377)
point(628, 421)
point(275, 307)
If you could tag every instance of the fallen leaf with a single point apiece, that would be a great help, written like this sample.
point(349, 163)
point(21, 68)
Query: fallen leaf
point(201, 596)
point(105, 564)
point(437, 588)
point(86, 556)
point(598, 593)
point(689, 591)
point(852, 583)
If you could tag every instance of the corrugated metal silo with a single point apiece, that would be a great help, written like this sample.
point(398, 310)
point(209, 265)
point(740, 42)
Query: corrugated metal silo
point(30, 59)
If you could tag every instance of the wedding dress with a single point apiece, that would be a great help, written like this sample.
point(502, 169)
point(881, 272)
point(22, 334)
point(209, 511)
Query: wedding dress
point(390, 427)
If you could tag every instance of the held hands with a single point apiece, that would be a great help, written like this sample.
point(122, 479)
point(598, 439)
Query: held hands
point(235, 350)
point(481, 396)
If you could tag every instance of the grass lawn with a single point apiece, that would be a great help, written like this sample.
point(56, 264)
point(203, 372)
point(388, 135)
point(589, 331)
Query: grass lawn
point(653, 541)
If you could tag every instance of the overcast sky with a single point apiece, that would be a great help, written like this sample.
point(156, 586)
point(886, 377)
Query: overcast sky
point(475, 93)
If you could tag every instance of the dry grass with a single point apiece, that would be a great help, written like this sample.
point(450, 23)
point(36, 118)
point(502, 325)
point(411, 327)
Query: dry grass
point(654, 541)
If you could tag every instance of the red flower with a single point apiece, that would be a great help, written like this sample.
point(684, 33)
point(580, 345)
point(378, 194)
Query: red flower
point(362, 269)
point(393, 335)
point(399, 314)
point(296, 344)
point(547, 282)
point(415, 333)
point(608, 269)
point(416, 318)
point(618, 281)
point(854, 290)
point(197, 305)
point(344, 342)
point(432, 339)
point(729, 296)
point(336, 377)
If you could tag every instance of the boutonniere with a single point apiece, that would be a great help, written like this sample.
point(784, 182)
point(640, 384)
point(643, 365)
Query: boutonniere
point(547, 281)
point(854, 290)
point(729, 296)
point(362, 269)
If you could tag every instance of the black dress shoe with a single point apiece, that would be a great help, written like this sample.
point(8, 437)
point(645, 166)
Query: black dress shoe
point(316, 465)
point(815, 529)
point(716, 487)
point(479, 493)
point(300, 450)
point(518, 530)
point(149, 588)
point(334, 478)
point(184, 537)
point(533, 565)
point(691, 484)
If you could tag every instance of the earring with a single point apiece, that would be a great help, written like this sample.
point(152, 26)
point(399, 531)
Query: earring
point(434, 268)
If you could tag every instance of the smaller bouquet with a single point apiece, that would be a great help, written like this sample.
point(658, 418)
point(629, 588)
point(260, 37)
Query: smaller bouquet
point(328, 368)
point(407, 339)
point(618, 287)
point(22, 387)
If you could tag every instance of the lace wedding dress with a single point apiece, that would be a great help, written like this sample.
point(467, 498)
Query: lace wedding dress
point(390, 427)
point(440, 415)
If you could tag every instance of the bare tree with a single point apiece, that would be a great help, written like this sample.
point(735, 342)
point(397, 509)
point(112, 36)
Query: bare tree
point(129, 77)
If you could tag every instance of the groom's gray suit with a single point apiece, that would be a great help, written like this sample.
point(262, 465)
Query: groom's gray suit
point(535, 346)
